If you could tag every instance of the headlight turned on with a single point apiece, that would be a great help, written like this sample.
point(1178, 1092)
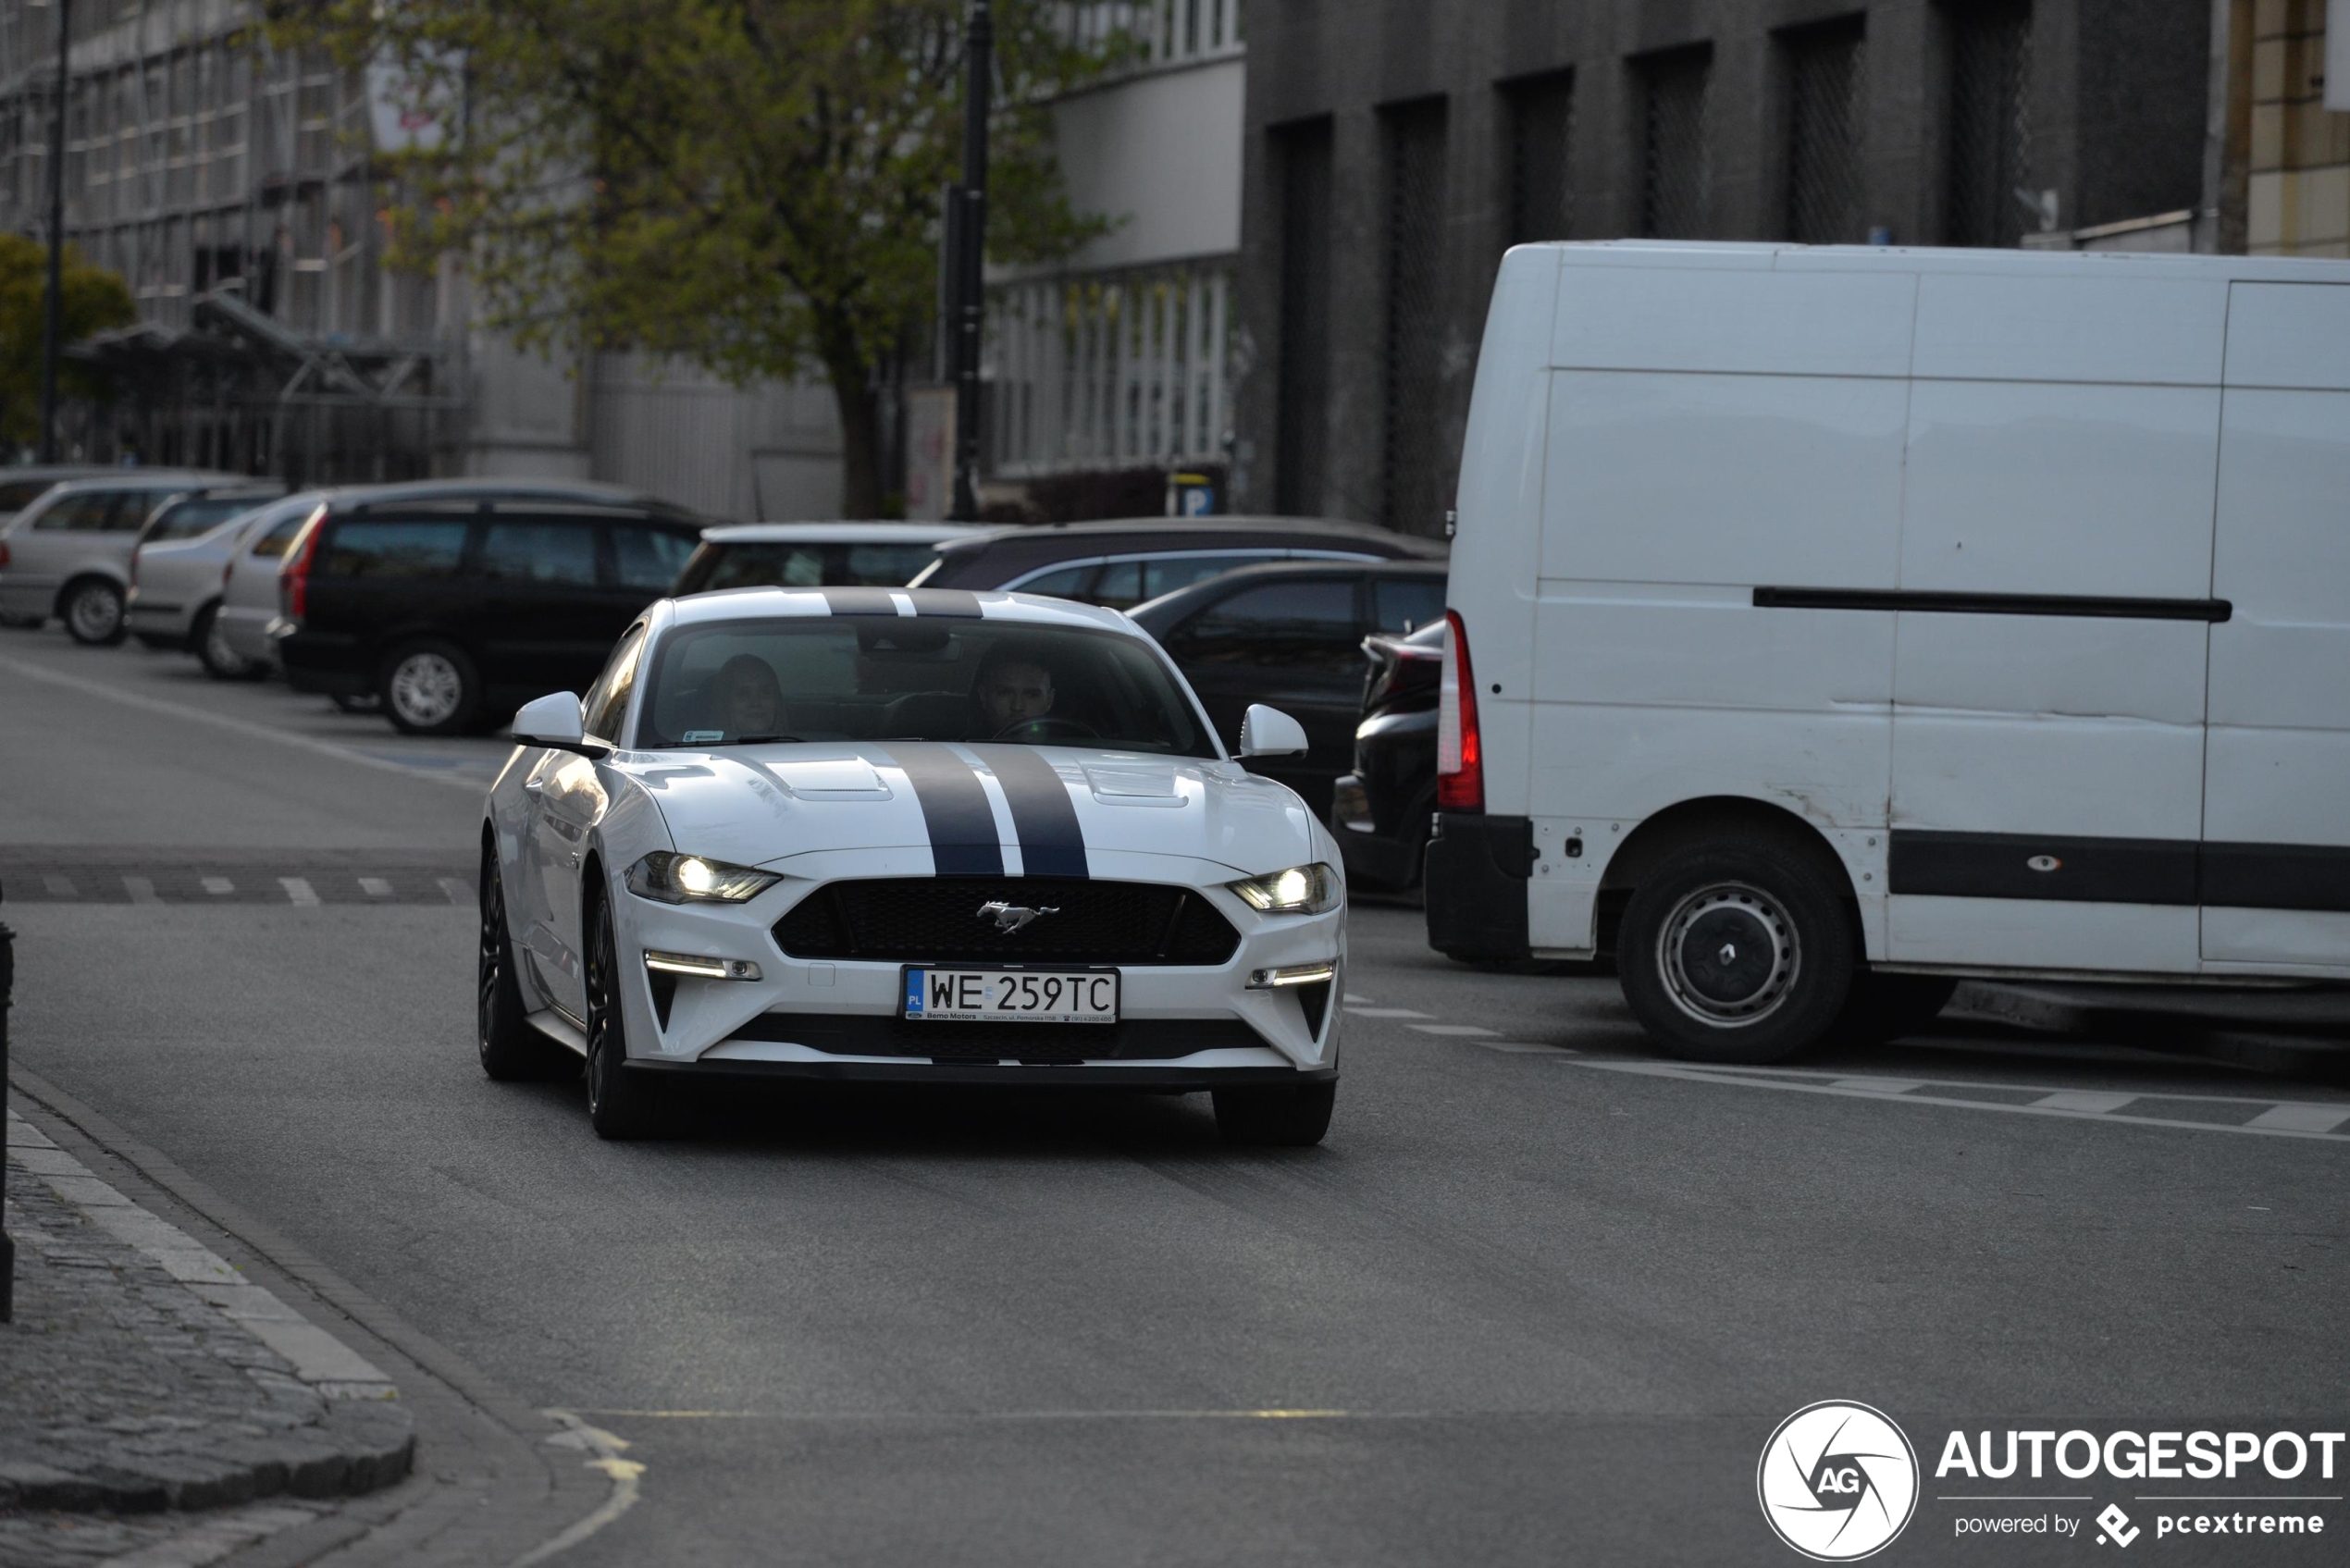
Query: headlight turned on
point(1300, 890)
point(689, 879)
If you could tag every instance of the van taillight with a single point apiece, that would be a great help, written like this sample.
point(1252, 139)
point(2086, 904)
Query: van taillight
point(1460, 751)
point(293, 583)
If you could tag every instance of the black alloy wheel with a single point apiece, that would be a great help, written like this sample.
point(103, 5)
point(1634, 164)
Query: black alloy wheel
point(1737, 950)
point(1280, 1116)
point(511, 1049)
point(622, 1102)
point(94, 613)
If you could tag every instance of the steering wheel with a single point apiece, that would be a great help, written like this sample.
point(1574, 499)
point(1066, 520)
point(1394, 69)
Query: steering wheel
point(1048, 728)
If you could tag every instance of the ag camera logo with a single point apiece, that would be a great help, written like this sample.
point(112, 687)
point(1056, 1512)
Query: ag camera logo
point(1837, 1481)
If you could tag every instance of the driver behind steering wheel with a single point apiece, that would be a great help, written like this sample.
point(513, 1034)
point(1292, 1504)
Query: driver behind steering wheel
point(1014, 689)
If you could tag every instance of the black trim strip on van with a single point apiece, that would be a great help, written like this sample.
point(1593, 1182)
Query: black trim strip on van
point(955, 810)
point(1051, 843)
point(2178, 872)
point(1938, 603)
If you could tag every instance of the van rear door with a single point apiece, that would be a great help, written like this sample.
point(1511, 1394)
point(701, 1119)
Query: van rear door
point(2276, 872)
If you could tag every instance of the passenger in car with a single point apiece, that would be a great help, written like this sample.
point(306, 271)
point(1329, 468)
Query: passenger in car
point(748, 699)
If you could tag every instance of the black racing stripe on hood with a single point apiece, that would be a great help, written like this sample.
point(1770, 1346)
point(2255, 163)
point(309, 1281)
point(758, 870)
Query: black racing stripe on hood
point(955, 810)
point(1051, 843)
point(860, 601)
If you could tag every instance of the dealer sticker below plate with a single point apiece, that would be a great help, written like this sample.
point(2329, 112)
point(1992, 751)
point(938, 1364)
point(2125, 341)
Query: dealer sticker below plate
point(1016, 995)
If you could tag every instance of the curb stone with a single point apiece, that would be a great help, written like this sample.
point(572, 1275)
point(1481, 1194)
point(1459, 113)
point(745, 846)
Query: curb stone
point(327, 1421)
point(2319, 1051)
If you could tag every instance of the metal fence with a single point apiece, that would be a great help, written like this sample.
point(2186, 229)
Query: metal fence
point(1990, 124)
point(1674, 172)
point(1824, 119)
point(1541, 131)
point(1302, 157)
point(1414, 460)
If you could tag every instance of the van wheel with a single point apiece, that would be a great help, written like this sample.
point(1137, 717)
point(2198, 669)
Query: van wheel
point(92, 611)
point(1737, 952)
point(429, 688)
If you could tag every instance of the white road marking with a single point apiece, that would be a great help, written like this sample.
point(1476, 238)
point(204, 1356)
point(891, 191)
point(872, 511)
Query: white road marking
point(220, 887)
point(2094, 1101)
point(457, 892)
point(1787, 1080)
point(375, 887)
point(2302, 1117)
point(1356, 999)
point(298, 890)
point(1384, 1012)
point(60, 888)
point(1464, 1030)
point(1522, 1048)
point(625, 1475)
point(1881, 1085)
point(222, 721)
point(141, 890)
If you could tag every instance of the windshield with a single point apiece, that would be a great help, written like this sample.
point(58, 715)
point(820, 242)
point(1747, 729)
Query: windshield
point(882, 678)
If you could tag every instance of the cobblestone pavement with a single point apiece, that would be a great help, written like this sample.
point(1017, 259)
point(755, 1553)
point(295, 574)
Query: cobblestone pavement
point(133, 1381)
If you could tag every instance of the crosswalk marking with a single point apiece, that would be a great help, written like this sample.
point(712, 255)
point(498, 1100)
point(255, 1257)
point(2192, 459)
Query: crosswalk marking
point(141, 889)
point(60, 888)
point(457, 891)
point(1525, 1048)
point(1384, 1012)
point(2094, 1101)
point(220, 887)
point(298, 890)
point(375, 887)
point(1463, 1030)
point(1882, 1085)
point(2302, 1117)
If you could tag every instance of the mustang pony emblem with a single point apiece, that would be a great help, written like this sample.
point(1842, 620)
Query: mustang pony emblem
point(1009, 918)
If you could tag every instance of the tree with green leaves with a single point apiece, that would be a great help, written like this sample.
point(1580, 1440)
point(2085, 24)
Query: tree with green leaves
point(93, 300)
point(750, 185)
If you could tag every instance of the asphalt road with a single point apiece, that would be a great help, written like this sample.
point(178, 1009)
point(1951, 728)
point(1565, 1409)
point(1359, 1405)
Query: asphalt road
point(1541, 1297)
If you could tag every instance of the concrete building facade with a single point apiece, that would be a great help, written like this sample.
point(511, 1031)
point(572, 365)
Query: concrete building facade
point(1394, 148)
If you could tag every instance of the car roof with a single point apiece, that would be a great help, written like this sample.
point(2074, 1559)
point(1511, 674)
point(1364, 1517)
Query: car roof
point(149, 479)
point(768, 603)
point(1211, 530)
point(838, 533)
point(1282, 570)
point(340, 497)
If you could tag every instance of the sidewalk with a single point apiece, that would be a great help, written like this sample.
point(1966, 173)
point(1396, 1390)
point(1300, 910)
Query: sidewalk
point(143, 1375)
point(2302, 1032)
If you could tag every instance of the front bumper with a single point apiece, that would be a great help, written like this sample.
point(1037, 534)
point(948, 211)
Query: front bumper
point(1139, 1078)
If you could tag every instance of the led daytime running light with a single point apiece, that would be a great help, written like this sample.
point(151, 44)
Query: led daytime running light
point(1295, 974)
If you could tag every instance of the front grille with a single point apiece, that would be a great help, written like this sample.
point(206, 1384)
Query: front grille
point(937, 919)
point(1134, 1040)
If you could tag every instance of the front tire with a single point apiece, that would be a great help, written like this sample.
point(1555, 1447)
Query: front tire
point(1285, 1117)
point(431, 688)
point(511, 1050)
point(622, 1102)
point(212, 651)
point(1737, 952)
point(94, 613)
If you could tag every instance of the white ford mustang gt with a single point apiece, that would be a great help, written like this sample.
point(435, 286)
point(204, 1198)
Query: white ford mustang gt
point(910, 836)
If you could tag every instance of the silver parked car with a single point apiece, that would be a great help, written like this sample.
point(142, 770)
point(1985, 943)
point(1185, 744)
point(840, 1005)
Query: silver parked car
point(176, 569)
point(249, 579)
point(68, 553)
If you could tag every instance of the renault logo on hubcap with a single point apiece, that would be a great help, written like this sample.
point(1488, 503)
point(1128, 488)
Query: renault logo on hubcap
point(1009, 918)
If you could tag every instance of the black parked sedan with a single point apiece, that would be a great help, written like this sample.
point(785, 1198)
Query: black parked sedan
point(458, 599)
point(1380, 812)
point(1125, 564)
point(1291, 635)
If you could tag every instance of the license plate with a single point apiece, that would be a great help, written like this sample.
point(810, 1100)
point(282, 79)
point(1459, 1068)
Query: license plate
point(1016, 995)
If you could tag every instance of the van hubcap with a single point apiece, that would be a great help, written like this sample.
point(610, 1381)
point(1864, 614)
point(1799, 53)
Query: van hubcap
point(1728, 955)
point(426, 688)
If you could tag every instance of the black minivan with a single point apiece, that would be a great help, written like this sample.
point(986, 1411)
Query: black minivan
point(457, 600)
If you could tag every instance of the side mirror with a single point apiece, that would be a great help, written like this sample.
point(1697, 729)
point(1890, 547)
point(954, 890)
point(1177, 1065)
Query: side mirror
point(554, 722)
point(1268, 731)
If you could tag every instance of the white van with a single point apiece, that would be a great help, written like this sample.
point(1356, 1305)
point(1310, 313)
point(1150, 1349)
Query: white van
point(1829, 624)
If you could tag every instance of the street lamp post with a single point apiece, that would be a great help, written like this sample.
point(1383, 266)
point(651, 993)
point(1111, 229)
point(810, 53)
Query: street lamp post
point(53, 325)
point(968, 256)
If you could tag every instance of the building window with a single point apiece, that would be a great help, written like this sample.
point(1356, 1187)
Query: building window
point(1412, 452)
point(1824, 119)
point(1990, 124)
point(1300, 159)
point(1110, 370)
point(1539, 115)
point(1671, 92)
point(1158, 32)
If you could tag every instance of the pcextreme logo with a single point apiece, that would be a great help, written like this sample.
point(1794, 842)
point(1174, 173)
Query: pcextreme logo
point(1837, 1481)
